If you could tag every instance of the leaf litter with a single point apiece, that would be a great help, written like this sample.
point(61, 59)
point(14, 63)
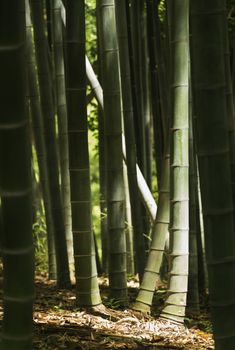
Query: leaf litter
point(58, 324)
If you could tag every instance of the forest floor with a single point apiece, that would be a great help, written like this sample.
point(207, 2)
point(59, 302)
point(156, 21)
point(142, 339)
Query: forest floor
point(60, 325)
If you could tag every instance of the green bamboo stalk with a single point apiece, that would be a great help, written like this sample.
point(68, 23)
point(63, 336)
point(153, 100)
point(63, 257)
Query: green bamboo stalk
point(103, 192)
point(230, 106)
point(87, 288)
point(58, 49)
point(202, 268)
point(113, 136)
point(147, 113)
point(144, 191)
point(45, 84)
point(130, 144)
point(159, 35)
point(209, 79)
point(135, 16)
point(159, 235)
point(36, 190)
point(130, 261)
point(175, 303)
point(37, 124)
point(163, 59)
point(193, 291)
point(102, 155)
point(15, 182)
point(136, 8)
point(152, 15)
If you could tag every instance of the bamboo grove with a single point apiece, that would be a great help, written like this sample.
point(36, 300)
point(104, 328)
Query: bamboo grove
point(160, 75)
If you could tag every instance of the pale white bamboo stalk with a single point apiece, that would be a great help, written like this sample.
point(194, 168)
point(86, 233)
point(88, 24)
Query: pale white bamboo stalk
point(144, 191)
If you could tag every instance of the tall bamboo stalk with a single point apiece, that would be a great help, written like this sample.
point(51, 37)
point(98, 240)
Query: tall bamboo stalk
point(38, 130)
point(87, 288)
point(175, 302)
point(230, 106)
point(113, 135)
point(44, 74)
point(102, 155)
point(152, 18)
point(15, 182)
point(209, 79)
point(58, 49)
point(103, 191)
point(136, 9)
point(130, 145)
point(147, 113)
point(193, 291)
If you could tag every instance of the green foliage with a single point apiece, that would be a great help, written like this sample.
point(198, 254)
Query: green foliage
point(93, 119)
point(91, 33)
point(113, 303)
point(91, 51)
point(202, 323)
point(162, 10)
point(58, 308)
point(95, 189)
point(40, 243)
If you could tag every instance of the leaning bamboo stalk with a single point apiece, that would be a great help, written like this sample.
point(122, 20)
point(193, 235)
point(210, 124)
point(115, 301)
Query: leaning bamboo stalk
point(144, 191)
point(159, 236)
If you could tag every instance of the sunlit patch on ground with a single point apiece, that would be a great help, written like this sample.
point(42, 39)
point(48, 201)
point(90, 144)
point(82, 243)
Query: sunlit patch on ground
point(59, 325)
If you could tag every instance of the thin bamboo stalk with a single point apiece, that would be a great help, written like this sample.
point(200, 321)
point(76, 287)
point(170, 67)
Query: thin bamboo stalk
point(152, 14)
point(38, 129)
point(136, 8)
point(44, 74)
point(129, 144)
point(58, 49)
point(193, 291)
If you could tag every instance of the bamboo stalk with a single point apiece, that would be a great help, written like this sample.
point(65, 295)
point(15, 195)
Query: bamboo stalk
point(38, 128)
point(17, 247)
point(58, 49)
point(113, 143)
point(175, 302)
point(144, 191)
point(87, 289)
point(45, 84)
point(209, 80)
